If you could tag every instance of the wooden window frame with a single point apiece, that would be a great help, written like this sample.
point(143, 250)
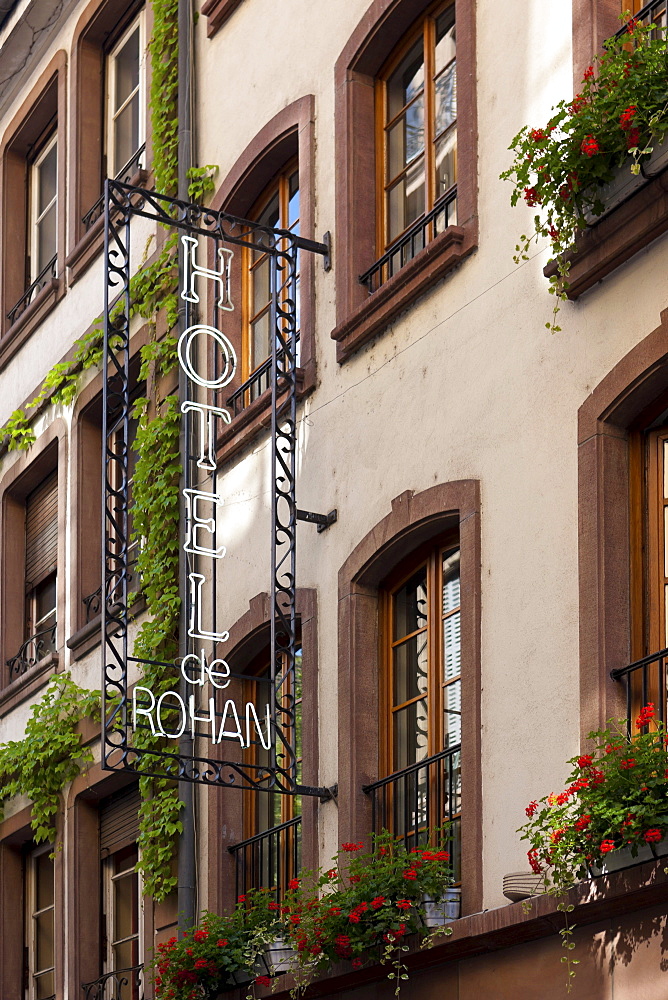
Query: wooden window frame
point(280, 185)
point(428, 556)
point(424, 29)
point(30, 911)
point(35, 217)
point(289, 134)
point(139, 22)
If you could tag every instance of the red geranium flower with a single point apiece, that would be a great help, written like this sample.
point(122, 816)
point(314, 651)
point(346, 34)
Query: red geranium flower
point(588, 74)
point(356, 963)
point(627, 764)
point(537, 134)
point(607, 846)
point(354, 879)
point(377, 902)
point(410, 874)
point(536, 867)
point(652, 836)
point(200, 935)
point(404, 904)
point(583, 822)
point(626, 117)
point(585, 760)
point(633, 138)
point(241, 899)
point(646, 715)
point(531, 808)
point(263, 981)
point(293, 883)
point(352, 847)
point(589, 146)
point(221, 942)
point(531, 196)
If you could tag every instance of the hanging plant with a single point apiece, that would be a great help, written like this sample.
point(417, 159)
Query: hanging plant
point(614, 123)
point(616, 798)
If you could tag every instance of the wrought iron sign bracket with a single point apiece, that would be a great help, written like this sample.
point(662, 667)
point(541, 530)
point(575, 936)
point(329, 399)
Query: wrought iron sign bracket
point(322, 520)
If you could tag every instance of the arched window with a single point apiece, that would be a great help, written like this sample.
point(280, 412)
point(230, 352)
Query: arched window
point(416, 108)
point(421, 703)
point(277, 208)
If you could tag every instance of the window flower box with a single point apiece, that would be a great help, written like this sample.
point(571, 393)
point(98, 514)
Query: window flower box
point(624, 183)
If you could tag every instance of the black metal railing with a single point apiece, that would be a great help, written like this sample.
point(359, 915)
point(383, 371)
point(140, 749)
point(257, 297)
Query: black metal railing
point(416, 238)
point(254, 386)
point(269, 859)
point(645, 681)
point(126, 984)
point(126, 174)
point(653, 13)
point(32, 651)
point(424, 795)
point(93, 602)
point(31, 293)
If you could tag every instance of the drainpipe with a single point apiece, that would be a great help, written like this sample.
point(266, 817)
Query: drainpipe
point(187, 889)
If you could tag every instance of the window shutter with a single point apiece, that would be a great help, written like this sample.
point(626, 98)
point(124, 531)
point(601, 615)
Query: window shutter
point(42, 531)
point(119, 821)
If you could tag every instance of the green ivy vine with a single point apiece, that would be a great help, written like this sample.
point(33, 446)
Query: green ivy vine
point(51, 753)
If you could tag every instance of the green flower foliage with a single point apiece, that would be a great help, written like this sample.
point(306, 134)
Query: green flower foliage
point(51, 753)
point(563, 167)
point(164, 51)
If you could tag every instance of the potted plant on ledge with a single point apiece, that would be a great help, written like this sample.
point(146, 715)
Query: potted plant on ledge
point(592, 150)
point(613, 811)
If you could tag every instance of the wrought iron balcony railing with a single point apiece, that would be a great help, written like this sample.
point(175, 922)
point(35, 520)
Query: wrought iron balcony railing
point(414, 239)
point(645, 681)
point(32, 651)
point(126, 984)
point(254, 386)
point(424, 795)
point(653, 13)
point(31, 293)
point(126, 175)
point(269, 859)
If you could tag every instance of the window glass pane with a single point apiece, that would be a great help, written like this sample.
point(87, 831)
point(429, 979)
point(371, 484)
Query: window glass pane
point(261, 286)
point(450, 581)
point(270, 217)
point(410, 669)
point(126, 134)
point(405, 140)
point(406, 81)
point(410, 605)
point(44, 940)
point(43, 881)
point(127, 69)
point(45, 600)
point(446, 39)
point(260, 343)
point(406, 200)
point(410, 734)
point(126, 901)
point(46, 238)
point(446, 164)
point(446, 99)
point(293, 202)
point(44, 986)
point(452, 722)
point(48, 179)
point(125, 956)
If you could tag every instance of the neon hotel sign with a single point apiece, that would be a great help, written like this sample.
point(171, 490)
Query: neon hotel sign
point(185, 710)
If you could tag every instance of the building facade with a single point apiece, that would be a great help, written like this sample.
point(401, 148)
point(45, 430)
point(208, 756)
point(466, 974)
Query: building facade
point(499, 546)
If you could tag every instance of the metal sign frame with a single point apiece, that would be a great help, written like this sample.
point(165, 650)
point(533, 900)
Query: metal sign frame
point(122, 203)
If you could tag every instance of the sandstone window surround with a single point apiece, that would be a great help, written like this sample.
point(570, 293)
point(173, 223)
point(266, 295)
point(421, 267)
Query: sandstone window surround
point(109, 87)
point(360, 230)
point(415, 521)
point(618, 585)
point(266, 163)
point(33, 165)
point(32, 504)
point(217, 12)
point(234, 811)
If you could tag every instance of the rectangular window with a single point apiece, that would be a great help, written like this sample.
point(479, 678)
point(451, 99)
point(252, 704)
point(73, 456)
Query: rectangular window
point(125, 103)
point(417, 110)
point(44, 211)
point(39, 925)
point(40, 577)
point(121, 886)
